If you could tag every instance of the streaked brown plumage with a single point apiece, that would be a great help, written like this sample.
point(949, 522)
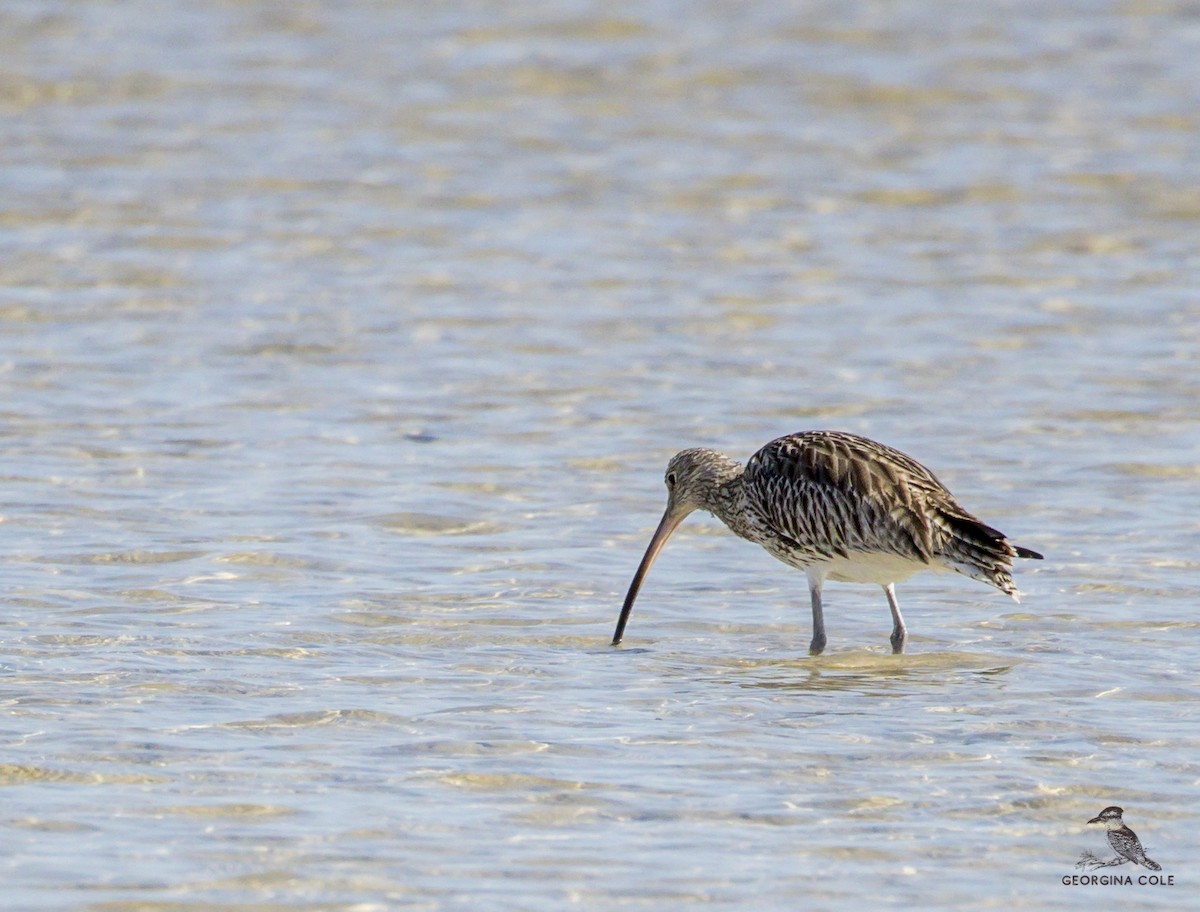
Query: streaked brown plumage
point(839, 507)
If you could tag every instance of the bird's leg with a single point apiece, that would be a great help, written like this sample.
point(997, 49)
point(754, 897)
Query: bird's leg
point(899, 631)
point(817, 646)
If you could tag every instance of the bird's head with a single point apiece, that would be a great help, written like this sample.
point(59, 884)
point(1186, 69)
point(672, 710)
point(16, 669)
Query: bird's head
point(1110, 817)
point(693, 478)
point(694, 481)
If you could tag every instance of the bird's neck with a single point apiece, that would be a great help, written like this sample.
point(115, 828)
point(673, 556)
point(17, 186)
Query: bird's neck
point(726, 501)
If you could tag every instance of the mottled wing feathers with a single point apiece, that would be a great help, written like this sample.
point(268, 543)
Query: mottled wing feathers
point(834, 493)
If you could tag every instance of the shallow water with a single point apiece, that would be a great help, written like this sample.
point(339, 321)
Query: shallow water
point(342, 353)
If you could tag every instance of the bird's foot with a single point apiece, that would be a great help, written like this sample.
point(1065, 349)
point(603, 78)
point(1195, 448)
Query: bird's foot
point(899, 635)
point(817, 646)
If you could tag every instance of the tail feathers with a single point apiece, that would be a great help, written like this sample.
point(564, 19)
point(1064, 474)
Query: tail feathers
point(1152, 865)
point(981, 552)
point(993, 576)
point(975, 534)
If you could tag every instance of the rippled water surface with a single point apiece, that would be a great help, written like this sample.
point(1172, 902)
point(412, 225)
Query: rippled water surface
point(342, 348)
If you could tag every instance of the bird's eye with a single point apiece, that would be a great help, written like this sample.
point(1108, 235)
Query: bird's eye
point(670, 479)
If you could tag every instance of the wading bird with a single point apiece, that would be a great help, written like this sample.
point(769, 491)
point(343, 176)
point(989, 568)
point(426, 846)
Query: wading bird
point(839, 507)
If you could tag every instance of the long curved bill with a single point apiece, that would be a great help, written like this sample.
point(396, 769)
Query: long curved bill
point(670, 521)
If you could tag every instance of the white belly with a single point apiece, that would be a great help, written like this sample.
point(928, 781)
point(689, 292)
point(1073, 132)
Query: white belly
point(872, 567)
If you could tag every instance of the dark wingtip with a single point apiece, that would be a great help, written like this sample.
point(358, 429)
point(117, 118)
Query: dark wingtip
point(1025, 552)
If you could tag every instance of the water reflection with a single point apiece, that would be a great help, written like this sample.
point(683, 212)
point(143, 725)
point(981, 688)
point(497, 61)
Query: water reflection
point(870, 672)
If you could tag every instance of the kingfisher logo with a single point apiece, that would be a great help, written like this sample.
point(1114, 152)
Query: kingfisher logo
point(1129, 850)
